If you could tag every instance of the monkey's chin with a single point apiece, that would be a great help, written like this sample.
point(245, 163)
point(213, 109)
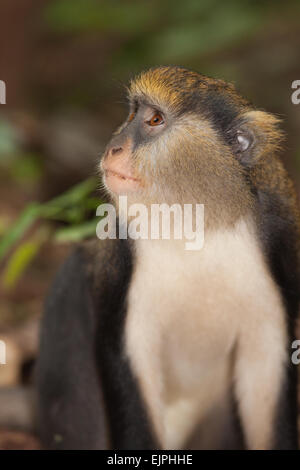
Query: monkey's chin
point(120, 184)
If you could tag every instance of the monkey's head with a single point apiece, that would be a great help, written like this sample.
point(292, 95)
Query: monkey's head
point(187, 139)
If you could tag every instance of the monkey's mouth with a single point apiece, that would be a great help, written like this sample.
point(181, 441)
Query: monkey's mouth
point(120, 183)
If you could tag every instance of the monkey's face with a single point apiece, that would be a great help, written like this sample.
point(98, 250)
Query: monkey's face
point(181, 142)
point(123, 172)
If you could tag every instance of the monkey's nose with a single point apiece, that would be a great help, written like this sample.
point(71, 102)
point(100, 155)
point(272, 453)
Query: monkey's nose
point(115, 150)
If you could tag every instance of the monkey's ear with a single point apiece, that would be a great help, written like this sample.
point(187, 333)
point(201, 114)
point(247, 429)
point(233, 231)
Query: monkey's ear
point(254, 135)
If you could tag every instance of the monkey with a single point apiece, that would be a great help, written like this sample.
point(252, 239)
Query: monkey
point(146, 345)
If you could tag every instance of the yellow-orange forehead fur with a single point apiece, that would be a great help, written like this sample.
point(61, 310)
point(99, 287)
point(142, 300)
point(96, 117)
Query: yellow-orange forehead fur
point(163, 85)
point(152, 83)
point(169, 85)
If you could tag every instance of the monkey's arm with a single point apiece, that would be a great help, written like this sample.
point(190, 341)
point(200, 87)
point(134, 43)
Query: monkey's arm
point(88, 398)
point(267, 386)
point(71, 409)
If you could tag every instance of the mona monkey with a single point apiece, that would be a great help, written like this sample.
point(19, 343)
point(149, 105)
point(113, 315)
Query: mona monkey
point(145, 345)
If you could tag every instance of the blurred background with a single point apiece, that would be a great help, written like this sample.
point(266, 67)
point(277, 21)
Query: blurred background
point(65, 63)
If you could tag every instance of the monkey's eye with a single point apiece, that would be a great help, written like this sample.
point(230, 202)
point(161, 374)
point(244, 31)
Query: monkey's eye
point(131, 116)
point(156, 120)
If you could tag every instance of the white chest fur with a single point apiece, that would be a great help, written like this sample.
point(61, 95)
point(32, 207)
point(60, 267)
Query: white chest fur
point(185, 313)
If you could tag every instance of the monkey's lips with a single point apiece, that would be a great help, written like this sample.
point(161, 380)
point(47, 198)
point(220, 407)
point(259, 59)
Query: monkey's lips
point(119, 182)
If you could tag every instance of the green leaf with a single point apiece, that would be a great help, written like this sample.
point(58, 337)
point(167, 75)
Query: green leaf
point(73, 196)
point(4, 223)
point(13, 234)
point(70, 206)
point(77, 232)
point(19, 261)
